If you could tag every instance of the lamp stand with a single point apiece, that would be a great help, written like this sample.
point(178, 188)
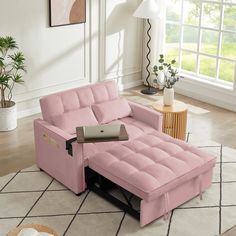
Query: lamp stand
point(149, 90)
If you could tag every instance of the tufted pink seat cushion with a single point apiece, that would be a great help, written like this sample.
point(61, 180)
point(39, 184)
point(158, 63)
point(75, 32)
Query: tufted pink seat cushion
point(152, 164)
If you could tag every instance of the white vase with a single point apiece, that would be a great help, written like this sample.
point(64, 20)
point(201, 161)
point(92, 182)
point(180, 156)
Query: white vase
point(161, 79)
point(168, 96)
point(8, 117)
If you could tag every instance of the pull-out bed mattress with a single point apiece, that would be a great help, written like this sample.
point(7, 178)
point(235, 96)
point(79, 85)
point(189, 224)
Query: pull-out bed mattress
point(164, 172)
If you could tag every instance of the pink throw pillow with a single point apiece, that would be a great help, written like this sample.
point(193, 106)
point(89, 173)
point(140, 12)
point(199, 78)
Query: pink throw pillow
point(70, 120)
point(111, 110)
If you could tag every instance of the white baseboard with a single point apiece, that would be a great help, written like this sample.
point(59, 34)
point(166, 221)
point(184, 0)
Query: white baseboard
point(130, 85)
point(28, 112)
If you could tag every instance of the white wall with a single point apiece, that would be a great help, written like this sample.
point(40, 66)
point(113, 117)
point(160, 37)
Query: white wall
point(108, 46)
point(121, 41)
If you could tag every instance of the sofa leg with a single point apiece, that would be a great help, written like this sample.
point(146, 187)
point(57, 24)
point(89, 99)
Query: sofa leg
point(79, 194)
point(41, 169)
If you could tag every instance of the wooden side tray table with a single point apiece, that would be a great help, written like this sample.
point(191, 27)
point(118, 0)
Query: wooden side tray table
point(174, 118)
point(122, 137)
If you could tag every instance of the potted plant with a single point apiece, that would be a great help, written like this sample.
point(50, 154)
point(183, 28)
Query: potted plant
point(166, 76)
point(12, 63)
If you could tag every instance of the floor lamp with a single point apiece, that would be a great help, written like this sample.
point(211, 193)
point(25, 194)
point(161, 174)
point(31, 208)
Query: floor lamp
point(148, 9)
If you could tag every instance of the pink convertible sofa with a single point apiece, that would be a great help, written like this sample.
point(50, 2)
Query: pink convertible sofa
point(161, 171)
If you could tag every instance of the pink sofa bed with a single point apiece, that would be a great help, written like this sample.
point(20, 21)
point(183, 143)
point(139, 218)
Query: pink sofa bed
point(161, 171)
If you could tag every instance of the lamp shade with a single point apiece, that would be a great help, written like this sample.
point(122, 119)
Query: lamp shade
point(148, 9)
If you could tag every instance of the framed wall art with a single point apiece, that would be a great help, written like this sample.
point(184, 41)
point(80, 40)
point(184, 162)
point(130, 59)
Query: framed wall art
point(67, 12)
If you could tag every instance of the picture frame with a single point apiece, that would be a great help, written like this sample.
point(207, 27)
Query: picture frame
point(67, 12)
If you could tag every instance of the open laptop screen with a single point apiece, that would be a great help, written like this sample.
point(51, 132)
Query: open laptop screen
point(101, 131)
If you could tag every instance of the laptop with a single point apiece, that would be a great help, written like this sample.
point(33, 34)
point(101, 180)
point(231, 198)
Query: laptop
point(101, 131)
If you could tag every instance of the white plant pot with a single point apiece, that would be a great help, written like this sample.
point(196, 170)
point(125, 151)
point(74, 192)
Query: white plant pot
point(168, 96)
point(8, 117)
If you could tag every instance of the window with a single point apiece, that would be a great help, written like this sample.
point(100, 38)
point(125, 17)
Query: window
point(201, 36)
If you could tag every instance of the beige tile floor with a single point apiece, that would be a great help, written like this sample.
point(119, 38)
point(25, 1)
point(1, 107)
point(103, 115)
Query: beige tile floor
point(206, 121)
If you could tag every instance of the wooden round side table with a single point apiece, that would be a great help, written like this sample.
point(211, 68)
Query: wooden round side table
point(174, 118)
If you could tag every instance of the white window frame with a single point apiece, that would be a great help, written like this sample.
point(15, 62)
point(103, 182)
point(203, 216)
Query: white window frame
point(196, 75)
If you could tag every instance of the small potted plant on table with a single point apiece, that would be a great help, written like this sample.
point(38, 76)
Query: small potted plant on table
point(12, 63)
point(166, 76)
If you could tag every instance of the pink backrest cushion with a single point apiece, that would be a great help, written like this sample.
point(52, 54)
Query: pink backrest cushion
point(70, 120)
point(74, 99)
point(111, 110)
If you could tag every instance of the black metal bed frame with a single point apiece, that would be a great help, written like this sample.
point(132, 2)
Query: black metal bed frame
point(100, 185)
point(69, 145)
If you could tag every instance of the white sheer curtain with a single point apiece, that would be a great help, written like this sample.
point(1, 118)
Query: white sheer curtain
point(157, 43)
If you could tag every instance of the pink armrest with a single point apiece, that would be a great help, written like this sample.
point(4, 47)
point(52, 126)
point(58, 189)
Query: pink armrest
point(54, 132)
point(147, 115)
point(53, 158)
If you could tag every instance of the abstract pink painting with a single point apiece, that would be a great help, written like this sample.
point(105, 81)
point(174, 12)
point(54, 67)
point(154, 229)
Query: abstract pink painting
point(66, 12)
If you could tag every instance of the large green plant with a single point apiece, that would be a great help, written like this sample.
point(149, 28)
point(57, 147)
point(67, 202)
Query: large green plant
point(12, 63)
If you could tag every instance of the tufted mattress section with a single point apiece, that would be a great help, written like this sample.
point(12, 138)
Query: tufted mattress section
point(151, 164)
point(133, 127)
